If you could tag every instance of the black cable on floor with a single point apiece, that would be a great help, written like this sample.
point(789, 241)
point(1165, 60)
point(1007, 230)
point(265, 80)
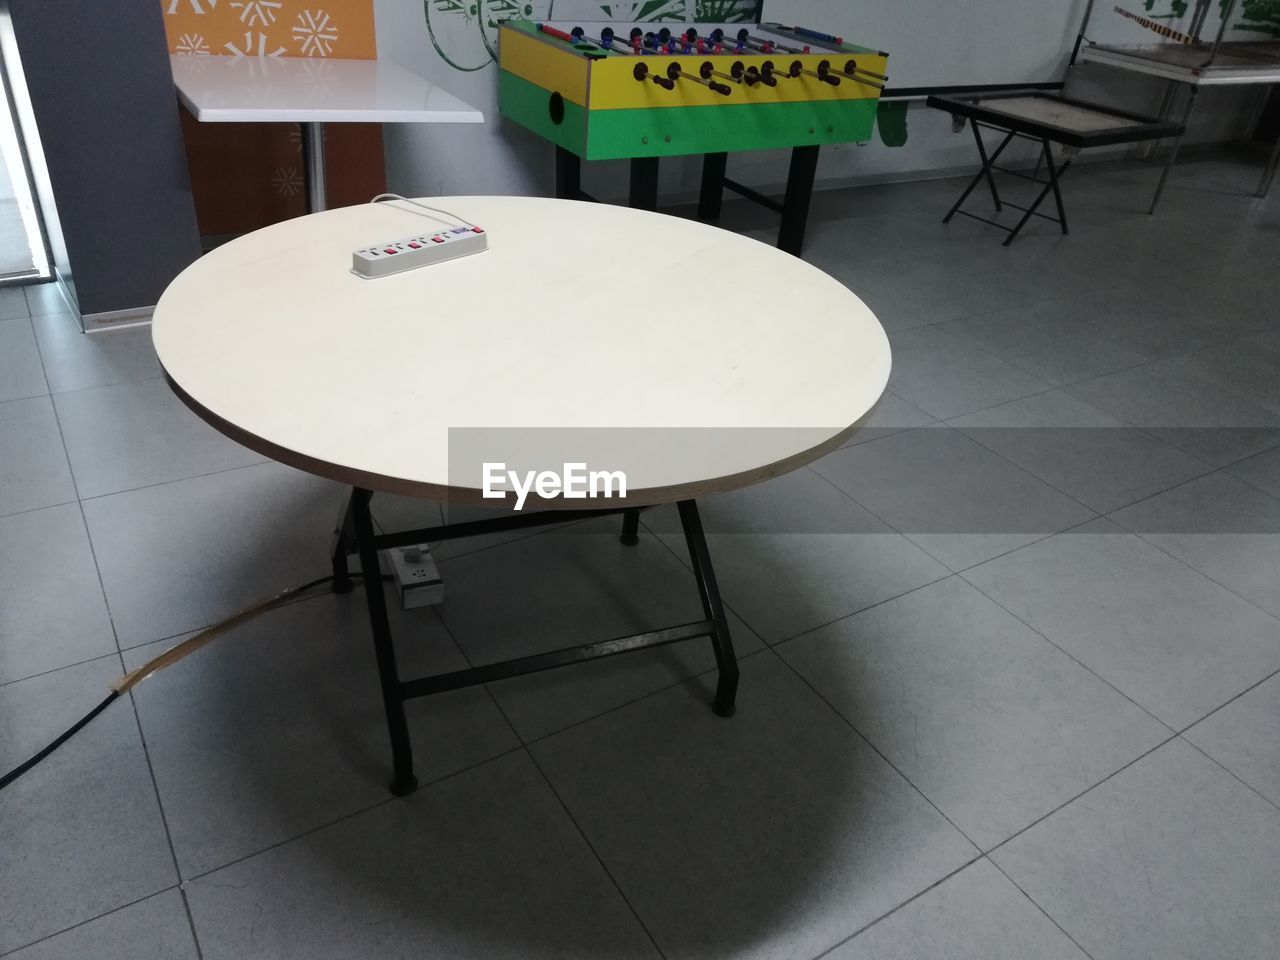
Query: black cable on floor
point(172, 655)
point(22, 768)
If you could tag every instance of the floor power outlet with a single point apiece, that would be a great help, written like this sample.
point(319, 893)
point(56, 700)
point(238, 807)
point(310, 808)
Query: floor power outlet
point(417, 578)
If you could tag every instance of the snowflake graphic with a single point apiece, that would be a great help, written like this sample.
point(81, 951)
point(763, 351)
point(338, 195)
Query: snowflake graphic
point(250, 44)
point(257, 11)
point(287, 181)
point(192, 43)
point(197, 6)
point(316, 32)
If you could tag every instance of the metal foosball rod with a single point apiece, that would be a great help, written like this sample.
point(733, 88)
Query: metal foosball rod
point(852, 67)
point(823, 73)
point(760, 44)
point(707, 71)
point(859, 78)
point(670, 39)
point(652, 44)
point(561, 35)
point(608, 38)
point(642, 73)
point(750, 75)
point(790, 72)
point(717, 37)
point(675, 73)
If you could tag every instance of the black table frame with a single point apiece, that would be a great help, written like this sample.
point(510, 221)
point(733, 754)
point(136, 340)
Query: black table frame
point(355, 534)
point(985, 113)
point(643, 190)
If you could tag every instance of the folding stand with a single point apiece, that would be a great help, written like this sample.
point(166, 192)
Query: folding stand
point(355, 534)
point(1045, 119)
point(989, 164)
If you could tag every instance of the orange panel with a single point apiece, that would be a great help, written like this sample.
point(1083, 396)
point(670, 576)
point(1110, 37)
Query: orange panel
point(247, 175)
point(286, 28)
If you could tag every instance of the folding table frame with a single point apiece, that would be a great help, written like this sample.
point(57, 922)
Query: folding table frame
point(986, 112)
point(989, 164)
point(355, 534)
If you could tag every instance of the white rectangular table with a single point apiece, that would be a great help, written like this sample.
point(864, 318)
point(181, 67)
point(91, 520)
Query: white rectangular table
point(311, 92)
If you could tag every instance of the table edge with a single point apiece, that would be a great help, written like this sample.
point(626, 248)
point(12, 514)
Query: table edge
point(466, 496)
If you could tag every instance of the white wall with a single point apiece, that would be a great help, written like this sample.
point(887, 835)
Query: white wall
point(502, 158)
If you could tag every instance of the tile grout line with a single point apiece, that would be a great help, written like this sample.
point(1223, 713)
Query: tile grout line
point(65, 666)
point(1231, 773)
point(1066, 803)
point(1227, 703)
point(164, 819)
point(350, 815)
point(1040, 537)
point(888, 913)
point(81, 923)
point(195, 476)
point(594, 852)
point(1033, 902)
point(524, 747)
point(863, 737)
point(1066, 653)
point(1231, 590)
point(47, 506)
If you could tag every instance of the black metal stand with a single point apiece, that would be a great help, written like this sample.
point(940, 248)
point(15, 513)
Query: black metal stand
point(989, 164)
point(643, 192)
point(644, 183)
point(794, 208)
point(568, 175)
point(355, 534)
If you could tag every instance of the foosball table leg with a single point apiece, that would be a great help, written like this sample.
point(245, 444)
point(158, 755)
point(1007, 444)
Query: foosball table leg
point(795, 205)
point(568, 175)
point(712, 192)
point(644, 183)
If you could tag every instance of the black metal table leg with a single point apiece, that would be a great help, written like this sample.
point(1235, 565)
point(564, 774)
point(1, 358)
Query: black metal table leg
point(403, 781)
point(396, 691)
point(342, 542)
point(700, 558)
point(987, 164)
point(644, 183)
point(712, 192)
point(1053, 181)
point(1177, 144)
point(630, 528)
point(1030, 211)
point(568, 174)
point(795, 204)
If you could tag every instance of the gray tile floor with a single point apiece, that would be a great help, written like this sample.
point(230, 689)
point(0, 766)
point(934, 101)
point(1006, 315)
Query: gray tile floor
point(1010, 657)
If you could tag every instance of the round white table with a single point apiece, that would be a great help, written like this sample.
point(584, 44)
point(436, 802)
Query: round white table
point(690, 358)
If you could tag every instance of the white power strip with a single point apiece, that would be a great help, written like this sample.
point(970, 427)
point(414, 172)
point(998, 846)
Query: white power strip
point(384, 259)
point(417, 577)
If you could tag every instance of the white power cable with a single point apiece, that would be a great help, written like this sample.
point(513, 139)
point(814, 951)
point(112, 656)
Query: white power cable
point(458, 221)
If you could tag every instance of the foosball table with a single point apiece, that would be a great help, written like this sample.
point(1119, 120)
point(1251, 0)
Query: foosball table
point(610, 91)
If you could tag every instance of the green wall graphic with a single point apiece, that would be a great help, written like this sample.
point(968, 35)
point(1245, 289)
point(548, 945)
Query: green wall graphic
point(1256, 16)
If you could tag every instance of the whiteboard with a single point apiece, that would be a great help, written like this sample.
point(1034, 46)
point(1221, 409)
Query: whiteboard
point(933, 43)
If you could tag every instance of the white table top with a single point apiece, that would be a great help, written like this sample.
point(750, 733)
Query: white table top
point(690, 357)
point(284, 89)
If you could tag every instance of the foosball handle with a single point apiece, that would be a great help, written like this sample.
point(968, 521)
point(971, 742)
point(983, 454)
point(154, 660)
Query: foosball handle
point(641, 73)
